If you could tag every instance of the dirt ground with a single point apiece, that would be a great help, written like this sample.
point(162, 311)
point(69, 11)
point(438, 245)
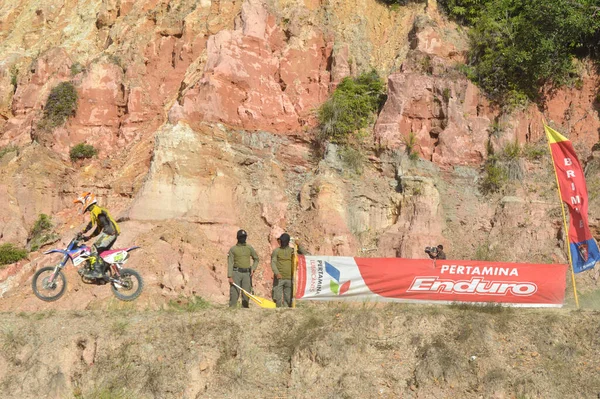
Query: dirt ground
point(197, 350)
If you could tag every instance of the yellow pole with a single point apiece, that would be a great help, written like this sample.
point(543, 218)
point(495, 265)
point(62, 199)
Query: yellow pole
point(294, 270)
point(566, 227)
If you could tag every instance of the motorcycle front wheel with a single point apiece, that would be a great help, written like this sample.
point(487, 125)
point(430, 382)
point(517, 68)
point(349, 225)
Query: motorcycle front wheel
point(47, 285)
point(129, 287)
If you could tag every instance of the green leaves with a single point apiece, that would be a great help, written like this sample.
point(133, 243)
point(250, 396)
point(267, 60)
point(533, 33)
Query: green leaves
point(9, 253)
point(60, 105)
point(351, 107)
point(82, 151)
point(518, 46)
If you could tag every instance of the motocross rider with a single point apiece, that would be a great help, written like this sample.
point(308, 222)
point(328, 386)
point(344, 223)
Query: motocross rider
point(105, 225)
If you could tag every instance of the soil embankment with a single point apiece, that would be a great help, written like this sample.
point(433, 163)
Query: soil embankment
point(333, 351)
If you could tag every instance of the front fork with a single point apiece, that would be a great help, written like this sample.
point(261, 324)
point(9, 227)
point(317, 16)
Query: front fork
point(58, 268)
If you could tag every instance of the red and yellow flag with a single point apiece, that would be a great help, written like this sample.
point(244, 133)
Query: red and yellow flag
point(573, 192)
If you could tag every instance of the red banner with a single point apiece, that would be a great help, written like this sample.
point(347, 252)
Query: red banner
point(573, 191)
point(395, 279)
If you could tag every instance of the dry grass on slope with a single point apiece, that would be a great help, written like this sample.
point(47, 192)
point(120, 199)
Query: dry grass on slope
point(331, 350)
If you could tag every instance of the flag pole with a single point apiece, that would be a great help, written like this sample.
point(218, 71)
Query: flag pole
point(564, 214)
point(294, 273)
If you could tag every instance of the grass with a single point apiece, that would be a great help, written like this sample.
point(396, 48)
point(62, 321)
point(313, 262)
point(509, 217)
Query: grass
point(309, 330)
point(8, 149)
point(9, 253)
point(76, 68)
point(60, 105)
point(494, 177)
point(353, 159)
point(109, 392)
point(504, 167)
point(119, 327)
point(14, 77)
point(191, 304)
point(590, 300)
point(41, 232)
point(535, 152)
point(12, 341)
point(411, 144)
point(82, 151)
point(489, 308)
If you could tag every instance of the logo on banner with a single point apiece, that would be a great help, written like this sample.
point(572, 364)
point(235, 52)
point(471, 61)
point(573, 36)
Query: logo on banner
point(335, 285)
point(583, 251)
point(477, 285)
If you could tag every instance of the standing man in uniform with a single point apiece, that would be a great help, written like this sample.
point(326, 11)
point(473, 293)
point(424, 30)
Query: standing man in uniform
point(240, 269)
point(281, 264)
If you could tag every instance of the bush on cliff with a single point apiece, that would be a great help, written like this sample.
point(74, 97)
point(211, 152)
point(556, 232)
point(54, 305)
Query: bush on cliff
point(9, 253)
point(519, 46)
point(60, 105)
point(41, 232)
point(8, 149)
point(82, 151)
point(351, 106)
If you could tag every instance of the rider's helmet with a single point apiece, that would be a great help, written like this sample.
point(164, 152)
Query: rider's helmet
point(86, 200)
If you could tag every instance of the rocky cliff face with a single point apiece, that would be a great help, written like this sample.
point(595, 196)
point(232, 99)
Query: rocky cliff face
point(203, 113)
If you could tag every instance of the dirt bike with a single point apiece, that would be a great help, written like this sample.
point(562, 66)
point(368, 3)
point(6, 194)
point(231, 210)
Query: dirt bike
point(126, 284)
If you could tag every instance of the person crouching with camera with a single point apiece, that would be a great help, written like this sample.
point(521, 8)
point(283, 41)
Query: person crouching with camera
point(436, 252)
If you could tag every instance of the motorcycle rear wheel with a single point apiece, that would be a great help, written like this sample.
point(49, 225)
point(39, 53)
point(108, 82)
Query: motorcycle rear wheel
point(129, 291)
point(49, 291)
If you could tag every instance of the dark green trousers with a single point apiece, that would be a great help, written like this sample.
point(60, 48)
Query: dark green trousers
point(282, 288)
point(243, 280)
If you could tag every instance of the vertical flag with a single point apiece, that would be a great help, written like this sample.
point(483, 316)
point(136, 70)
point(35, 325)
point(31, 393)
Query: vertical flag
point(573, 191)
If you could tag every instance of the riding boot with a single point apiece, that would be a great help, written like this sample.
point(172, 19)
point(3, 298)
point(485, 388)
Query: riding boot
point(95, 267)
point(103, 266)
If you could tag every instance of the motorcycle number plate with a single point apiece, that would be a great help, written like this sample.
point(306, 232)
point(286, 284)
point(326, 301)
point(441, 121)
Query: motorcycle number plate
point(78, 260)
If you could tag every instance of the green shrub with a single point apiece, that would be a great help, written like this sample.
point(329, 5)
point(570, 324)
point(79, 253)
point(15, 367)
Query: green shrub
point(82, 151)
point(511, 151)
point(353, 159)
point(9, 253)
point(61, 104)
point(395, 4)
point(494, 177)
point(535, 152)
point(9, 148)
point(411, 146)
point(76, 67)
point(192, 304)
point(466, 12)
point(14, 75)
point(41, 232)
point(518, 46)
point(446, 95)
point(351, 107)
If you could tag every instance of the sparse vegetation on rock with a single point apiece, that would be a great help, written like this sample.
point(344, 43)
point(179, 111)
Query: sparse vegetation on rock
point(61, 104)
point(41, 232)
point(411, 144)
point(10, 253)
point(7, 149)
point(82, 151)
point(353, 159)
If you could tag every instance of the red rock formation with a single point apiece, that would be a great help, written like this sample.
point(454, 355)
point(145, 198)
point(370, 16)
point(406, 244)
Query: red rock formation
point(443, 115)
point(255, 80)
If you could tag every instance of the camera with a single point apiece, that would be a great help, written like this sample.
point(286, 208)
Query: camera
point(431, 251)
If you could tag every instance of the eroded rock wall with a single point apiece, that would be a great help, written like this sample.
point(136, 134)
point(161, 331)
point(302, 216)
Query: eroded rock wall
point(203, 114)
